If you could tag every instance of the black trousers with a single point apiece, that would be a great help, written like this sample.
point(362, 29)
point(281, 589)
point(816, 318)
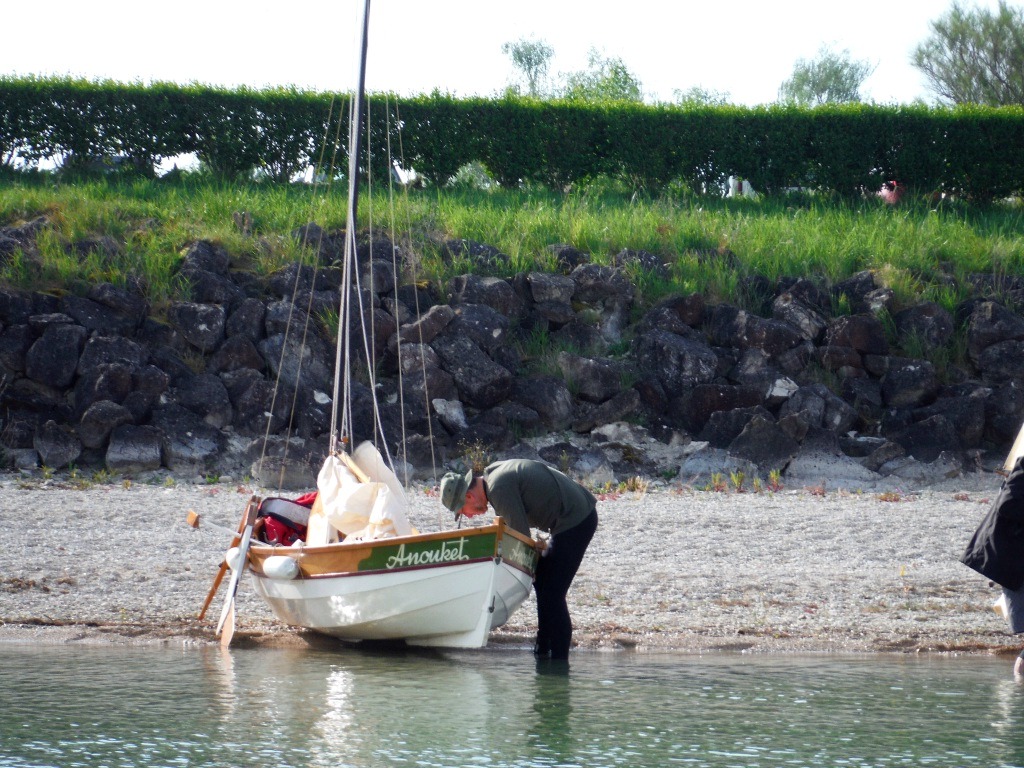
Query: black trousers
point(551, 583)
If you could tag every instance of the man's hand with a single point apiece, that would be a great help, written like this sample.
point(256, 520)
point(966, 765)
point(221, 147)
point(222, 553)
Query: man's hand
point(543, 546)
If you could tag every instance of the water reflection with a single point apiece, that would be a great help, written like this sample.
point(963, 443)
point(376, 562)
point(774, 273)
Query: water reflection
point(71, 706)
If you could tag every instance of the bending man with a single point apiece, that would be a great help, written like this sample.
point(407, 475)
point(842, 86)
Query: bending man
point(530, 494)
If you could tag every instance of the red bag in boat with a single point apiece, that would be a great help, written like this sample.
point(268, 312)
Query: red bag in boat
point(284, 521)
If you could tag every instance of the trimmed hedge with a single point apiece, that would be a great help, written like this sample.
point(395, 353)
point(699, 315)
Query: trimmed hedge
point(971, 150)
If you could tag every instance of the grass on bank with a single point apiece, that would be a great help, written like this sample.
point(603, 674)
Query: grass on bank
point(922, 251)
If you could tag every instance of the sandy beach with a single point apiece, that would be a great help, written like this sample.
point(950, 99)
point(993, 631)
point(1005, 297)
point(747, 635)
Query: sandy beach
point(674, 568)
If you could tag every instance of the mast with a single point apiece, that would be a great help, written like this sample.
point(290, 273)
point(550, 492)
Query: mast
point(355, 145)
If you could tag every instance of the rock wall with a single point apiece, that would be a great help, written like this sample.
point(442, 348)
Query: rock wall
point(229, 383)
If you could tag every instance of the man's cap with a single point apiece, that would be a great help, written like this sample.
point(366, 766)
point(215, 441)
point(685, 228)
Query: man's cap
point(453, 489)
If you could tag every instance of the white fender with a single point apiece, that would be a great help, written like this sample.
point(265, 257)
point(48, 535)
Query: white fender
point(280, 567)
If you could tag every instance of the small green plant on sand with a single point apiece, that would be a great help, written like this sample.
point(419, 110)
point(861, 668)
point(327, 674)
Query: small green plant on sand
point(475, 455)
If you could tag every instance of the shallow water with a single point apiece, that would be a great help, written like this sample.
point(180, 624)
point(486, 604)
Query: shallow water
point(126, 707)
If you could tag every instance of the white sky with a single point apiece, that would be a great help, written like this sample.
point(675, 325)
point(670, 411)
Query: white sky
point(744, 48)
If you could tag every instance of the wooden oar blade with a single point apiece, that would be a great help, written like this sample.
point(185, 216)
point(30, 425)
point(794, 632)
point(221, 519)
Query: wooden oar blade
point(193, 519)
point(228, 630)
point(228, 612)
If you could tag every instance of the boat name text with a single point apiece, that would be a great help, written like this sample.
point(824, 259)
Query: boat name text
point(448, 552)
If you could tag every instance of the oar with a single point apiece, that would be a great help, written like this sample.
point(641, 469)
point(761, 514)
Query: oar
point(226, 625)
point(192, 518)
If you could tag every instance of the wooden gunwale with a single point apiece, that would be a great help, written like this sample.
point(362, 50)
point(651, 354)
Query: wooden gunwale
point(343, 560)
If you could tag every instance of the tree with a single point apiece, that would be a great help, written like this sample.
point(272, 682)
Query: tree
point(532, 58)
point(607, 79)
point(975, 56)
point(832, 78)
point(698, 96)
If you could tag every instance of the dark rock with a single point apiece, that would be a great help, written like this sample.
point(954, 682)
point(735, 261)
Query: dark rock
point(493, 292)
point(1002, 361)
point(312, 236)
point(201, 325)
point(205, 395)
point(53, 358)
point(724, 426)
point(991, 323)
point(15, 306)
point(548, 396)
point(879, 300)
point(765, 444)
point(133, 449)
point(928, 323)
point(677, 363)
point(104, 350)
point(909, 383)
point(36, 396)
point(548, 288)
point(15, 342)
point(732, 327)
point(378, 276)
point(96, 317)
point(809, 322)
point(864, 395)
point(1004, 412)
point(99, 420)
point(481, 382)
point(484, 326)
point(295, 279)
point(567, 258)
point(188, 443)
point(808, 293)
point(754, 368)
point(580, 336)
point(602, 286)
point(926, 439)
point(593, 380)
point(426, 329)
point(256, 401)
point(818, 406)
point(846, 361)
point(290, 360)
point(620, 407)
point(236, 352)
point(883, 454)
point(965, 413)
point(692, 410)
point(207, 256)
point(863, 333)
point(39, 323)
point(111, 381)
point(246, 319)
point(130, 306)
point(56, 445)
point(855, 289)
point(209, 288)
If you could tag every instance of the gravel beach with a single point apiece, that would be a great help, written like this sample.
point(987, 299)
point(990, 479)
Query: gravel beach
point(798, 570)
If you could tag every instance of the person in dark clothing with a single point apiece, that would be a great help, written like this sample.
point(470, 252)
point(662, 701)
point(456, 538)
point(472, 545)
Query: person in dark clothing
point(996, 550)
point(530, 494)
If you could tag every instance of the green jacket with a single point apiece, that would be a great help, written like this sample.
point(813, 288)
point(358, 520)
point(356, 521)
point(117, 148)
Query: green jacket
point(530, 494)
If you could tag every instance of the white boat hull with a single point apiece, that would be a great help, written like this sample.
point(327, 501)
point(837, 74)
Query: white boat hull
point(449, 606)
point(425, 599)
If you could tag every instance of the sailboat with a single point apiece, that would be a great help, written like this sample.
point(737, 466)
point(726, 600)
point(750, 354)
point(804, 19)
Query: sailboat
point(346, 562)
